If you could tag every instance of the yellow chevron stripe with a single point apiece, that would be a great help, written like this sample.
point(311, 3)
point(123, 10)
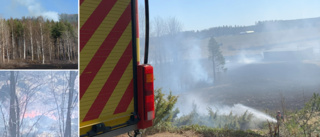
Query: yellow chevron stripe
point(101, 33)
point(118, 92)
point(86, 9)
point(104, 72)
point(107, 113)
point(116, 120)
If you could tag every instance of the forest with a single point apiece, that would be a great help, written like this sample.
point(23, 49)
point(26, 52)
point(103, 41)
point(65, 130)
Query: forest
point(31, 40)
point(38, 103)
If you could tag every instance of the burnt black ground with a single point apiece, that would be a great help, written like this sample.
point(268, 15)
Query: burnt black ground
point(261, 85)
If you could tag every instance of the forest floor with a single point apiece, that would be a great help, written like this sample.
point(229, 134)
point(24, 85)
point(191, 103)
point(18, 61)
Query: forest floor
point(15, 64)
point(182, 134)
point(168, 134)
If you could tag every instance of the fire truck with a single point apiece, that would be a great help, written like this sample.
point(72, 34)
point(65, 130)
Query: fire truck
point(116, 91)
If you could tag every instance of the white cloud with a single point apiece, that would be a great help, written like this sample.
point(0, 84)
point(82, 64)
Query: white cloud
point(36, 9)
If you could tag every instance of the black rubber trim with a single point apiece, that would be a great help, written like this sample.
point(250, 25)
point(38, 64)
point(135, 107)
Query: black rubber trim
point(134, 55)
point(100, 128)
point(146, 49)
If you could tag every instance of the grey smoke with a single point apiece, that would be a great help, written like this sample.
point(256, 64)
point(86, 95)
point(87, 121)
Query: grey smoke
point(35, 9)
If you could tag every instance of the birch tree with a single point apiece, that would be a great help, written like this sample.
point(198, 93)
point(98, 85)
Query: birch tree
point(73, 75)
point(6, 39)
point(23, 89)
point(2, 39)
point(14, 108)
point(36, 41)
point(65, 100)
point(31, 38)
point(40, 19)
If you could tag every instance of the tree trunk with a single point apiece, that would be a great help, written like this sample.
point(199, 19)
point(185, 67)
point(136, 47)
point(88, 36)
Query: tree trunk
point(50, 51)
point(62, 107)
point(73, 51)
point(63, 50)
point(43, 56)
point(20, 48)
point(17, 115)
point(68, 49)
point(12, 43)
point(214, 70)
point(3, 59)
point(41, 32)
point(1, 51)
point(2, 36)
point(67, 132)
point(57, 105)
point(68, 45)
point(59, 48)
point(55, 48)
point(24, 45)
point(13, 115)
point(32, 57)
point(38, 50)
point(8, 55)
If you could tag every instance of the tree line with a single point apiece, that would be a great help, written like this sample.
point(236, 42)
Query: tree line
point(259, 26)
point(37, 40)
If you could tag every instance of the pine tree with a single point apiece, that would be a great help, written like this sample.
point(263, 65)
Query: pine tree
point(216, 56)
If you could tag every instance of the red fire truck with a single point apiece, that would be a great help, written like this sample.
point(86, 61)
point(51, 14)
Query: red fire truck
point(116, 92)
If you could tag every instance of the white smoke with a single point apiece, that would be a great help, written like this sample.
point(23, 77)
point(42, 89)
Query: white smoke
point(240, 109)
point(35, 9)
point(187, 100)
point(198, 73)
point(244, 58)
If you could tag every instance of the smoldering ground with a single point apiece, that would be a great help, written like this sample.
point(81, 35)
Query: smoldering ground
point(264, 68)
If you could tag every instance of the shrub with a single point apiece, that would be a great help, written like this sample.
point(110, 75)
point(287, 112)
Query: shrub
point(164, 112)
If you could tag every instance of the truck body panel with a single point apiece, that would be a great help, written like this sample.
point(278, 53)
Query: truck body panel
point(106, 63)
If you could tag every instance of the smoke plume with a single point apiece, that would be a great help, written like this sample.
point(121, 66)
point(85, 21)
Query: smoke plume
point(35, 9)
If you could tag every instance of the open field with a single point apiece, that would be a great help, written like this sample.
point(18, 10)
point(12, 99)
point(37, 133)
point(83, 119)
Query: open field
point(261, 86)
point(264, 70)
point(292, 39)
point(291, 71)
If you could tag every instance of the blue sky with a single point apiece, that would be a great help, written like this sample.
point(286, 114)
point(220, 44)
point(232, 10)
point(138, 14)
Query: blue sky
point(198, 15)
point(47, 8)
point(194, 15)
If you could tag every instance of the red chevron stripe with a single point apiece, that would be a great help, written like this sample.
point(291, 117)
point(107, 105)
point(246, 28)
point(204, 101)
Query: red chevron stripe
point(104, 50)
point(81, 1)
point(108, 88)
point(125, 100)
point(94, 21)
